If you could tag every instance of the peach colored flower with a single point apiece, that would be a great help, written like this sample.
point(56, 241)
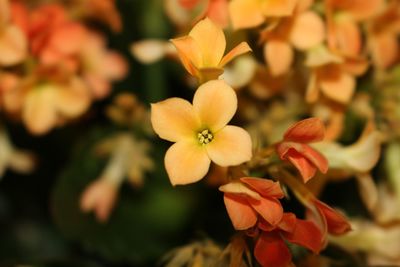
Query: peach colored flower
point(251, 198)
point(383, 32)
point(333, 75)
point(252, 13)
point(295, 148)
point(200, 132)
point(43, 106)
point(303, 30)
point(270, 249)
point(13, 43)
point(202, 51)
point(343, 17)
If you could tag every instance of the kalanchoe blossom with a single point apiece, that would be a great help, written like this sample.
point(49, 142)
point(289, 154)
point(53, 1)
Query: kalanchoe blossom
point(128, 159)
point(333, 75)
point(200, 132)
point(303, 30)
point(343, 17)
point(295, 148)
point(249, 199)
point(202, 51)
point(270, 248)
point(42, 106)
point(252, 13)
point(383, 32)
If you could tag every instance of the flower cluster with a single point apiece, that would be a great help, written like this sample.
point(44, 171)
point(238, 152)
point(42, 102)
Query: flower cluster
point(52, 65)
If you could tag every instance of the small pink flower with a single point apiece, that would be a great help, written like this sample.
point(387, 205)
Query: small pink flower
point(295, 148)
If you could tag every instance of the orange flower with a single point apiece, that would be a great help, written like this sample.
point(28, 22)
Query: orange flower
point(249, 198)
point(304, 30)
point(344, 34)
point(333, 75)
point(48, 29)
point(251, 13)
point(383, 34)
point(13, 43)
point(295, 148)
point(270, 249)
point(201, 132)
point(202, 51)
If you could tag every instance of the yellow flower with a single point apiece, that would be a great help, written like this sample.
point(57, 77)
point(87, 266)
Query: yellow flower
point(200, 132)
point(202, 51)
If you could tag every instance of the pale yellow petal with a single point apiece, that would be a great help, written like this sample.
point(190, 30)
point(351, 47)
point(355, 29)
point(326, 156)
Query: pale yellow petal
point(245, 13)
point(240, 49)
point(189, 53)
point(186, 162)
point(308, 30)
point(279, 56)
point(211, 41)
point(230, 146)
point(174, 119)
point(215, 103)
point(236, 187)
point(72, 100)
point(39, 113)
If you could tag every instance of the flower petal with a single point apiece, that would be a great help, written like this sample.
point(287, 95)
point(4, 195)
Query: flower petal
point(211, 42)
point(271, 251)
point(265, 187)
point(186, 162)
point(306, 131)
point(315, 157)
point(338, 85)
point(239, 211)
point(230, 146)
point(384, 49)
point(189, 53)
point(305, 167)
point(347, 37)
point(278, 8)
point(239, 188)
point(337, 224)
point(215, 103)
point(307, 31)
point(240, 49)
point(245, 13)
point(39, 113)
point(13, 46)
point(72, 100)
point(279, 56)
point(305, 234)
point(269, 208)
point(174, 119)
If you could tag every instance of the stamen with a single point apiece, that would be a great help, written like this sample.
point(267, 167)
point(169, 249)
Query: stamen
point(205, 137)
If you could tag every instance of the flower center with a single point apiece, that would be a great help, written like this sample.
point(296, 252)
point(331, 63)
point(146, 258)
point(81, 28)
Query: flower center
point(205, 137)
